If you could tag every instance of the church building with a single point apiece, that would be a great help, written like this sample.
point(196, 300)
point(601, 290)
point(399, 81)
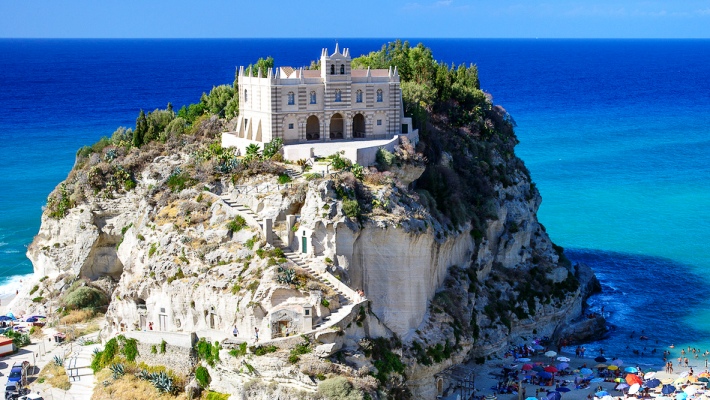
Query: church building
point(311, 106)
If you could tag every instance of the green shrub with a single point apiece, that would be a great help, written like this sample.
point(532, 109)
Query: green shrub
point(324, 302)
point(84, 297)
point(240, 351)
point(236, 224)
point(351, 208)
point(217, 396)
point(38, 299)
point(163, 344)
point(178, 275)
point(338, 388)
point(130, 349)
point(34, 289)
point(202, 376)
point(153, 249)
point(179, 181)
point(208, 352)
point(264, 350)
point(284, 179)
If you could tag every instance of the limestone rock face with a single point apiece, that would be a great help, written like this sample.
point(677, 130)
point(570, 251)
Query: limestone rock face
point(172, 262)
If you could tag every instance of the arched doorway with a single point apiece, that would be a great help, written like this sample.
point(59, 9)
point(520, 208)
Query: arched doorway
point(336, 126)
point(358, 126)
point(312, 128)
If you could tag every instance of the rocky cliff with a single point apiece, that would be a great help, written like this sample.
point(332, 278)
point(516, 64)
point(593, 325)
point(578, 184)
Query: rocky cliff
point(442, 238)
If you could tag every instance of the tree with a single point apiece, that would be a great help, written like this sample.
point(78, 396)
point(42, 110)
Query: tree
point(141, 130)
point(261, 64)
point(253, 151)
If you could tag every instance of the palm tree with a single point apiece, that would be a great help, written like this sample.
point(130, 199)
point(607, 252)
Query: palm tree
point(252, 151)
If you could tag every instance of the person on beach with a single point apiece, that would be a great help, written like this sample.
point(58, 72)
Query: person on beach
point(686, 362)
point(235, 331)
point(670, 366)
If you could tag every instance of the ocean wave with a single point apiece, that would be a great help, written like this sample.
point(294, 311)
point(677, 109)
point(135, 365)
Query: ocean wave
point(11, 284)
point(3, 244)
point(11, 251)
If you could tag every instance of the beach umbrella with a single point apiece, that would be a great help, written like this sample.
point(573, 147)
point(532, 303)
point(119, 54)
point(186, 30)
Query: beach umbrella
point(562, 366)
point(531, 398)
point(667, 389)
point(692, 379)
point(612, 368)
point(562, 389)
point(538, 368)
point(554, 396)
point(618, 380)
point(10, 315)
point(600, 366)
point(527, 367)
point(597, 380)
point(601, 394)
point(690, 390)
point(522, 359)
point(537, 347)
point(652, 383)
point(5, 318)
point(550, 353)
point(704, 375)
point(632, 370)
point(586, 371)
point(649, 375)
point(703, 379)
point(550, 368)
point(600, 359)
point(618, 362)
point(621, 386)
point(632, 378)
point(544, 375)
point(633, 389)
point(563, 359)
point(681, 396)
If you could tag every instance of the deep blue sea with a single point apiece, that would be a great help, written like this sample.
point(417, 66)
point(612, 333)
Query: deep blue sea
point(615, 133)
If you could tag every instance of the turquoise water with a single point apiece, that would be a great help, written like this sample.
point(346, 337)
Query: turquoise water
point(614, 132)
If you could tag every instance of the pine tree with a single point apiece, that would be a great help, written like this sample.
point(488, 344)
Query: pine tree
point(141, 129)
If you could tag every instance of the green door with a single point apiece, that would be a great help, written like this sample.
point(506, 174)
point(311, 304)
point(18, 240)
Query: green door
point(304, 243)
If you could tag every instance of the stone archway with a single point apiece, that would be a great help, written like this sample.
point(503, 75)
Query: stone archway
point(336, 126)
point(358, 126)
point(312, 128)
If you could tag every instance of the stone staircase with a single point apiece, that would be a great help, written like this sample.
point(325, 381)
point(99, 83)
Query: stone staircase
point(293, 174)
point(348, 297)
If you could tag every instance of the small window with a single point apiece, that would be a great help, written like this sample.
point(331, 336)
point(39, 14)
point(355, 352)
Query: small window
point(338, 95)
point(342, 69)
point(246, 98)
point(308, 312)
point(379, 122)
point(290, 126)
point(291, 99)
point(379, 95)
point(332, 69)
point(358, 96)
point(313, 97)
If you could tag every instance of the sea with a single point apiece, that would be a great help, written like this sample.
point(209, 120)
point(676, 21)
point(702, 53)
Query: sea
point(614, 132)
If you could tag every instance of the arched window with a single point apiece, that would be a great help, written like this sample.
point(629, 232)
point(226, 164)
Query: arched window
point(379, 95)
point(246, 98)
point(358, 96)
point(313, 97)
point(338, 95)
point(291, 99)
point(342, 69)
point(332, 69)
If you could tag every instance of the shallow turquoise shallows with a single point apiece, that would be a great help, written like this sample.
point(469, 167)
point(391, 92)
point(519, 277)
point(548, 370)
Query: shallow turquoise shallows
point(614, 132)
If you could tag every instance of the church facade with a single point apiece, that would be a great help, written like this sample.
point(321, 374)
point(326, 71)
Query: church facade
point(311, 106)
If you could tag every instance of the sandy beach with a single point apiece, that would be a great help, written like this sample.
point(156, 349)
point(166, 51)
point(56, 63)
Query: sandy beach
point(489, 375)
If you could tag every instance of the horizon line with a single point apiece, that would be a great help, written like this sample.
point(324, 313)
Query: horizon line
point(357, 38)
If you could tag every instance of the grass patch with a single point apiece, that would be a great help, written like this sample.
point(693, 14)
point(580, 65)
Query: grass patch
point(55, 376)
point(78, 316)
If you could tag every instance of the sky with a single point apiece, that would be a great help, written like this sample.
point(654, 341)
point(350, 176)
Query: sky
point(359, 19)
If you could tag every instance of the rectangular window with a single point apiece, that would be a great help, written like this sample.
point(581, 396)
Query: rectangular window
point(290, 126)
point(379, 122)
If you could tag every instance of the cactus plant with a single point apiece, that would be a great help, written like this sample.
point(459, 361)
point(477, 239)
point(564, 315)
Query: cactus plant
point(117, 370)
point(58, 361)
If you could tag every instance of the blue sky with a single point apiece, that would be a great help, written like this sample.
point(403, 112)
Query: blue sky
point(359, 18)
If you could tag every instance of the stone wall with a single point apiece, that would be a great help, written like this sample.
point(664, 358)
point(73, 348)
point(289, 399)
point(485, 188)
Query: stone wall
point(179, 356)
